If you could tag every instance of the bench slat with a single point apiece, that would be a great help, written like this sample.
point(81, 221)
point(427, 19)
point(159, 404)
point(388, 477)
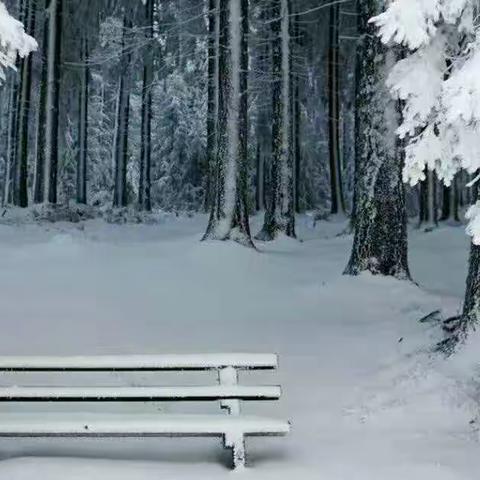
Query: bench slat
point(248, 361)
point(191, 393)
point(125, 425)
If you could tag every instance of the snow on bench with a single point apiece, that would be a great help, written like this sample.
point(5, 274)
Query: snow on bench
point(232, 428)
point(242, 361)
point(141, 394)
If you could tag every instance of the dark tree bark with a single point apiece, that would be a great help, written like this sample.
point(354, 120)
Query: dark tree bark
point(280, 213)
point(380, 240)
point(263, 126)
point(11, 140)
point(296, 110)
point(212, 100)
point(450, 202)
point(120, 195)
point(55, 8)
point(335, 160)
point(39, 183)
point(20, 193)
point(446, 203)
point(428, 217)
point(297, 146)
point(458, 328)
point(83, 125)
point(471, 307)
point(229, 209)
point(144, 195)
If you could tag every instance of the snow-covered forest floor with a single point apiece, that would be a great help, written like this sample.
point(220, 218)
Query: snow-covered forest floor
point(366, 399)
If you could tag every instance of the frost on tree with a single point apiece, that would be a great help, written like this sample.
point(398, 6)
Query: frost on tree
point(228, 209)
point(145, 183)
point(280, 212)
point(20, 175)
point(13, 41)
point(120, 148)
point(52, 100)
point(380, 241)
point(438, 84)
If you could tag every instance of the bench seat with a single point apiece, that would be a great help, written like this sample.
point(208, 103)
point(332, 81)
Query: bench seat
point(46, 424)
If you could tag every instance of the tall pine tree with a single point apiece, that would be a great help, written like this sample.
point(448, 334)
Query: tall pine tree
point(380, 241)
point(229, 208)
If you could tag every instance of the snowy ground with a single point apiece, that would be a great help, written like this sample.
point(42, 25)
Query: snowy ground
point(366, 400)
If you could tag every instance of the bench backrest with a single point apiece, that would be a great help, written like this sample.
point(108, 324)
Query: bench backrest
point(227, 391)
point(106, 363)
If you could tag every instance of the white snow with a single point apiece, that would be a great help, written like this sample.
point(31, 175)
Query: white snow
point(414, 22)
point(184, 392)
point(117, 424)
point(437, 81)
point(144, 362)
point(366, 398)
point(13, 41)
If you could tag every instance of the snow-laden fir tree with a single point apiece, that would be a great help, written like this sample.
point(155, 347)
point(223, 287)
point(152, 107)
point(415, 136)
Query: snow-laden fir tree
point(229, 209)
point(280, 211)
point(380, 240)
point(439, 87)
point(13, 41)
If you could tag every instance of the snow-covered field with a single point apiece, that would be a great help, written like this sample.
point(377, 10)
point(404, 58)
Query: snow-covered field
point(366, 400)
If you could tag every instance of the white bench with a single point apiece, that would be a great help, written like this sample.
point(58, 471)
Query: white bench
point(233, 428)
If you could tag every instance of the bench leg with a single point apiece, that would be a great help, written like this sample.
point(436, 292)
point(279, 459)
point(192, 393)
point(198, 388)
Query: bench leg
point(236, 443)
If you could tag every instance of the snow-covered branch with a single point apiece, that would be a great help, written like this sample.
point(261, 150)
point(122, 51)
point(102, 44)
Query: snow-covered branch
point(438, 84)
point(13, 41)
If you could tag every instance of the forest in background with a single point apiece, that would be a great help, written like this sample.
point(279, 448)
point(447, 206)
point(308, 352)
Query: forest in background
point(233, 107)
point(116, 103)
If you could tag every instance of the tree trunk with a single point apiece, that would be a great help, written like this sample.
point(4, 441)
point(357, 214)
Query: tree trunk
point(450, 202)
point(38, 185)
point(120, 195)
point(459, 327)
point(296, 111)
point(263, 130)
point(428, 217)
point(432, 199)
point(212, 113)
point(380, 240)
point(12, 168)
point(454, 215)
point(229, 210)
point(52, 99)
point(11, 139)
point(446, 202)
point(280, 213)
point(20, 193)
point(83, 126)
point(471, 308)
point(335, 161)
point(144, 195)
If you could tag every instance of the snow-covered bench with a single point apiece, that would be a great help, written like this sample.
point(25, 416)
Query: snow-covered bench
point(232, 428)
